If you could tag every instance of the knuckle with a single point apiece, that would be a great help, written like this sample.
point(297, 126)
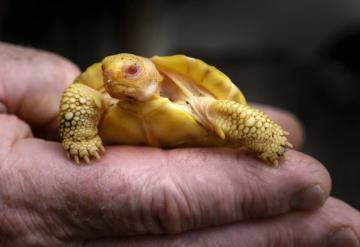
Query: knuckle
point(170, 203)
point(281, 235)
point(250, 206)
point(256, 200)
point(166, 207)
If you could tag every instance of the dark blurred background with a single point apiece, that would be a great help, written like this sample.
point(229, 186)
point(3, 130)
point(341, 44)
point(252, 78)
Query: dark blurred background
point(299, 55)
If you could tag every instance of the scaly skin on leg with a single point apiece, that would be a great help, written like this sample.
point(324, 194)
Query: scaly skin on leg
point(250, 127)
point(81, 108)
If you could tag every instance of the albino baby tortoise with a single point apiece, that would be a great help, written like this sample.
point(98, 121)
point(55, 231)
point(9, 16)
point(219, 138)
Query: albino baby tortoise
point(171, 101)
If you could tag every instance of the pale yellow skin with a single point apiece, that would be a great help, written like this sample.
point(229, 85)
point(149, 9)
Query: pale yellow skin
point(166, 102)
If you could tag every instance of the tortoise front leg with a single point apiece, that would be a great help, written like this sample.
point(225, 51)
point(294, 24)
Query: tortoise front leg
point(244, 125)
point(81, 108)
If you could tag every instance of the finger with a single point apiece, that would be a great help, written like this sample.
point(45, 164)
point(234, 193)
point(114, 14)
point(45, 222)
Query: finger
point(32, 83)
point(288, 121)
point(147, 190)
point(154, 191)
point(335, 224)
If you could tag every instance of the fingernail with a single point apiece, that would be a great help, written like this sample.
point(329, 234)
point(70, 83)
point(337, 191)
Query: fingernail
point(343, 237)
point(309, 198)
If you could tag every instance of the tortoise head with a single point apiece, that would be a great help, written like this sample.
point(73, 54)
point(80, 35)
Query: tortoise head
point(130, 77)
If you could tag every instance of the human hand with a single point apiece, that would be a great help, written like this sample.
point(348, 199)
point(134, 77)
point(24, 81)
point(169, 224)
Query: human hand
point(46, 200)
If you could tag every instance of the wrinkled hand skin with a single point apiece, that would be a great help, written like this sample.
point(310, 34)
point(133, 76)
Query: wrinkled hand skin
point(210, 197)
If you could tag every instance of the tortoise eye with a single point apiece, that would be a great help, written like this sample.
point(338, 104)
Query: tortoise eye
point(132, 71)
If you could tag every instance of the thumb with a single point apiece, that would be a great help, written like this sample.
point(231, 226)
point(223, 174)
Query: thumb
point(31, 84)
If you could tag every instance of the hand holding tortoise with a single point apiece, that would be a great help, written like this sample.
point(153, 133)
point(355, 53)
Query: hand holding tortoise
point(45, 200)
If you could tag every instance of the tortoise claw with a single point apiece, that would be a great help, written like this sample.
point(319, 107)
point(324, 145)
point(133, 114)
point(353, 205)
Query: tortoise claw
point(87, 160)
point(289, 145)
point(76, 158)
point(275, 163)
point(102, 148)
point(97, 155)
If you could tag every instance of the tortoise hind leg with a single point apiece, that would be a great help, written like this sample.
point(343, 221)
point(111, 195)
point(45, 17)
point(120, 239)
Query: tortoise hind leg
point(244, 125)
point(81, 108)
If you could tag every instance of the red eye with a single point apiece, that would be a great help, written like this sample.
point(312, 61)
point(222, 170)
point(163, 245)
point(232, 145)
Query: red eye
point(132, 70)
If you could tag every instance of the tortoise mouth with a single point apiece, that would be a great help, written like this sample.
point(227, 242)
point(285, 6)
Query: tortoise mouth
point(121, 90)
point(131, 92)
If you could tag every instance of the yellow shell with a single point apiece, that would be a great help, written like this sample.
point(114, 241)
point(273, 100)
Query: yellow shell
point(161, 122)
point(199, 74)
